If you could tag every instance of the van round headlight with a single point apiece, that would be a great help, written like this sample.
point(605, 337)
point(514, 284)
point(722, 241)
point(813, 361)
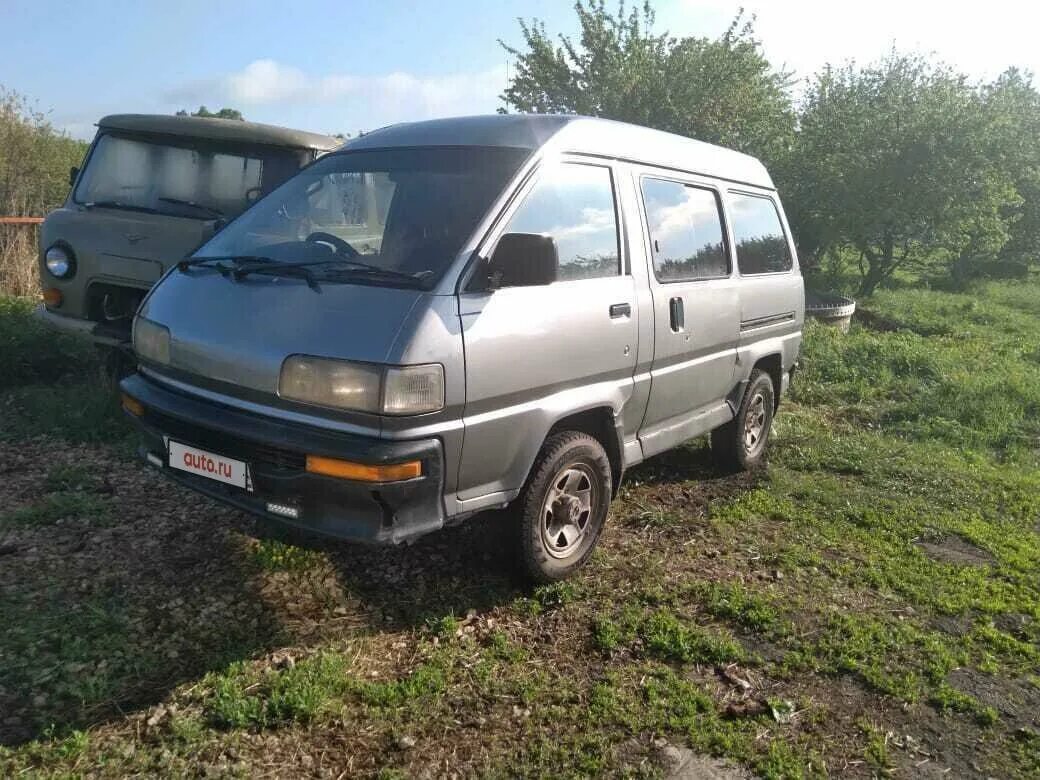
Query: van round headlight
point(151, 341)
point(362, 387)
point(60, 262)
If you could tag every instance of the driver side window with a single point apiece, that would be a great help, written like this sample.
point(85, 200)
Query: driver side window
point(574, 204)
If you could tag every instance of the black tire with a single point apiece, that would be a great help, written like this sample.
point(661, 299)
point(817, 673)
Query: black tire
point(730, 443)
point(567, 463)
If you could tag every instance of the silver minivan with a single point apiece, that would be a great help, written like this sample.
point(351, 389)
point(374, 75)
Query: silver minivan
point(451, 316)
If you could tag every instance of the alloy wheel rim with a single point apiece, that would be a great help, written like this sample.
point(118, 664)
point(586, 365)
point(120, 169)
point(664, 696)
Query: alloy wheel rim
point(567, 510)
point(755, 424)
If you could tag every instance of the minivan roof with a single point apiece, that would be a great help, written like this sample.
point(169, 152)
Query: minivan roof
point(234, 130)
point(577, 134)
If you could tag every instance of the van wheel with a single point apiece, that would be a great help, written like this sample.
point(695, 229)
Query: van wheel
point(741, 443)
point(563, 506)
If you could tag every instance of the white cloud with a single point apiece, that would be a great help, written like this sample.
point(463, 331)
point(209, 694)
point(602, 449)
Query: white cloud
point(265, 81)
point(359, 101)
point(806, 34)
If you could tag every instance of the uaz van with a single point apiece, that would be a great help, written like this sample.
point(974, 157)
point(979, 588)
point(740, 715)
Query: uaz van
point(464, 314)
point(152, 189)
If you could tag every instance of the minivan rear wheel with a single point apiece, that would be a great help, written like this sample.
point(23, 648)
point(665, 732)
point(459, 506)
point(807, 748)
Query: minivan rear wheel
point(740, 444)
point(562, 508)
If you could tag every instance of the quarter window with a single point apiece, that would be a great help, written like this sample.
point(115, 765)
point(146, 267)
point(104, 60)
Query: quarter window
point(574, 204)
point(761, 245)
point(685, 231)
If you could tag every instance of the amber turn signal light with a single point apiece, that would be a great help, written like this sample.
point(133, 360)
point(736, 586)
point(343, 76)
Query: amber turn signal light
point(132, 405)
point(52, 297)
point(363, 472)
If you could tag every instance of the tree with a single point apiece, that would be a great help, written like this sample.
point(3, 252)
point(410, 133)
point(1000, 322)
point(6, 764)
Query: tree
point(1014, 103)
point(34, 158)
point(722, 91)
point(224, 113)
point(896, 161)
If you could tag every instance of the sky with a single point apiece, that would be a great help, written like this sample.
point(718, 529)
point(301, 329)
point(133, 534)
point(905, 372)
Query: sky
point(360, 64)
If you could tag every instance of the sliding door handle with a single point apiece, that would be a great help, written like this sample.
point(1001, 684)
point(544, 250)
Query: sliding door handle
point(676, 314)
point(620, 310)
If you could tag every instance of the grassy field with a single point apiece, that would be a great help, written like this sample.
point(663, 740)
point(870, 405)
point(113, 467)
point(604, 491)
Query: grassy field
point(868, 605)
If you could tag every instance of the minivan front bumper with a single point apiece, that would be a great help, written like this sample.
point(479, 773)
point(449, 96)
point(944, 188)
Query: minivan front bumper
point(276, 452)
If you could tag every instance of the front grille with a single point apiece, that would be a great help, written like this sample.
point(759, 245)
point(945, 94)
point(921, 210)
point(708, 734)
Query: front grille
point(222, 443)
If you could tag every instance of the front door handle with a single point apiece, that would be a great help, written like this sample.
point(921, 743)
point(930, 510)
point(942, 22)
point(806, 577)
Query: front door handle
point(620, 310)
point(676, 314)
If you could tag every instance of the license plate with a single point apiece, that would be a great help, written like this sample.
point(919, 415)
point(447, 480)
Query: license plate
point(209, 465)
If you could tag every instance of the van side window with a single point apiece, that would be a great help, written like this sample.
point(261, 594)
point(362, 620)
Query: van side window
point(761, 245)
point(685, 231)
point(574, 204)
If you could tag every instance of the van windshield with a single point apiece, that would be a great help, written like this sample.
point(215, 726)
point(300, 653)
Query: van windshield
point(403, 211)
point(195, 180)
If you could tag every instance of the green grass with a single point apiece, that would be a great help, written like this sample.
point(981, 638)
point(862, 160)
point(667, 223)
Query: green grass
point(75, 477)
point(244, 698)
point(274, 555)
point(53, 383)
point(57, 507)
point(35, 353)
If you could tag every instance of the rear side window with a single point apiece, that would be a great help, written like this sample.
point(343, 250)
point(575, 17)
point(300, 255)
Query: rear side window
point(761, 245)
point(685, 231)
point(574, 204)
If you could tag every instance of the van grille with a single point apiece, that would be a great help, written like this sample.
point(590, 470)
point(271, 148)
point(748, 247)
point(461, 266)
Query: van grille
point(226, 444)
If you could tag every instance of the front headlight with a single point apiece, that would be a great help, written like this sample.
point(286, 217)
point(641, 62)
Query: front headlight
point(362, 387)
point(151, 340)
point(60, 262)
point(330, 383)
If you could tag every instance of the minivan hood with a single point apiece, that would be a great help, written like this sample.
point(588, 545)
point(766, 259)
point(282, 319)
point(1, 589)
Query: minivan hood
point(239, 333)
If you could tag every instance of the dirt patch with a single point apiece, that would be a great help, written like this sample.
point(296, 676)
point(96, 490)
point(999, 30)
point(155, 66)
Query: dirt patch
point(954, 625)
point(954, 549)
point(1015, 623)
point(684, 764)
point(1017, 700)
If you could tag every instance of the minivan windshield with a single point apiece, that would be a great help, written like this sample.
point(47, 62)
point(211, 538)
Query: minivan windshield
point(181, 179)
point(388, 216)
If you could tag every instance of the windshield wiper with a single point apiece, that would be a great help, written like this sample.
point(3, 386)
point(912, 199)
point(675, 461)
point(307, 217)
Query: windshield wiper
point(192, 262)
point(116, 204)
point(269, 267)
point(371, 270)
point(213, 212)
point(349, 266)
point(259, 264)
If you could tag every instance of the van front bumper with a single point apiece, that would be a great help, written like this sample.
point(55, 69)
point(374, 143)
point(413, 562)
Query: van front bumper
point(79, 326)
point(276, 451)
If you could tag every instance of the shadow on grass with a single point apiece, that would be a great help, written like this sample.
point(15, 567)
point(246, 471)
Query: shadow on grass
point(692, 462)
point(108, 612)
point(448, 573)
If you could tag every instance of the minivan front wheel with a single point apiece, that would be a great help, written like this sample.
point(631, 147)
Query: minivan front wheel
point(563, 506)
point(741, 443)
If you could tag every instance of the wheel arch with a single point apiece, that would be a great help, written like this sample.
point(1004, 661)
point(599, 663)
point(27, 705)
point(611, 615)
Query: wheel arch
point(600, 423)
point(773, 365)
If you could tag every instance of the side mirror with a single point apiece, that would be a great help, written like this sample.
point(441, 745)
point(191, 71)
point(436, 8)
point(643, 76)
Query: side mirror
point(73, 173)
point(523, 260)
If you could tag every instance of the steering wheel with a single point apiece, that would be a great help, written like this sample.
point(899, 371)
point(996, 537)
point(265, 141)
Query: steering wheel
point(338, 244)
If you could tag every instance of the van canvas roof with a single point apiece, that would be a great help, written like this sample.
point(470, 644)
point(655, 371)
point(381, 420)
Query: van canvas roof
point(232, 130)
point(572, 133)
